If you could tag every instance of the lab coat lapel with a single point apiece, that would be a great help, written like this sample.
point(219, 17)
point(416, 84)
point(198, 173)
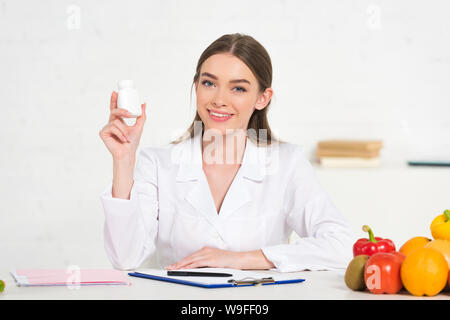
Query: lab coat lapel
point(240, 193)
point(190, 171)
point(251, 172)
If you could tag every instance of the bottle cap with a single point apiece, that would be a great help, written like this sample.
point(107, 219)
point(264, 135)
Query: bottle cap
point(125, 84)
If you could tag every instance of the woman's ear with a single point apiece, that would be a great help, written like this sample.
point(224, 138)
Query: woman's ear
point(264, 99)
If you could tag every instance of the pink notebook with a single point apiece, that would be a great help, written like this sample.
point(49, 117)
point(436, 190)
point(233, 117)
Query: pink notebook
point(68, 277)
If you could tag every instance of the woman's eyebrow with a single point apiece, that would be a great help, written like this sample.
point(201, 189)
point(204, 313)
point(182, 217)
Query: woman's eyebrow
point(231, 81)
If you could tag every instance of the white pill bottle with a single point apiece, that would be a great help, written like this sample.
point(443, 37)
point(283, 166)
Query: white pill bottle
point(128, 98)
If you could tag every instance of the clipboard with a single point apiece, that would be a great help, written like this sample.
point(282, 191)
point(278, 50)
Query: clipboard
point(239, 279)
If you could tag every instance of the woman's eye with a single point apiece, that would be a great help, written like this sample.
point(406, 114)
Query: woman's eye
point(208, 83)
point(205, 82)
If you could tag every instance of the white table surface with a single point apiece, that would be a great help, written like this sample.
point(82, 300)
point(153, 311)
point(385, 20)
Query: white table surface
point(319, 285)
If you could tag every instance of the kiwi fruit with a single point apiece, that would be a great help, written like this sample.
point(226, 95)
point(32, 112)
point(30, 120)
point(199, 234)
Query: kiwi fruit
point(354, 275)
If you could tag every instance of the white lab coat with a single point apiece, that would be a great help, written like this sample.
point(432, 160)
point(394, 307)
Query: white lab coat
point(275, 192)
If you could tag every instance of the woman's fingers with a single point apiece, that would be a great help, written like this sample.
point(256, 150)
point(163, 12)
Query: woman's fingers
point(122, 127)
point(183, 262)
point(112, 105)
point(180, 264)
point(196, 265)
point(119, 112)
point(197, 257)
point(116, 128)
point(141, 119)
point(116, 131)
point(113, 101)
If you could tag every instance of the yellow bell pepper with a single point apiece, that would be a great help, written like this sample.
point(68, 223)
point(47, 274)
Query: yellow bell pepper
point(440, 226)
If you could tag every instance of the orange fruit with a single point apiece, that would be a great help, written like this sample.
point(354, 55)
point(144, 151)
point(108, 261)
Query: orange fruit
point(414, 244)
point(441, 245)
point(424, 272)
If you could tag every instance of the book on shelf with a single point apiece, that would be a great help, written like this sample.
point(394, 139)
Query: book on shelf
point(351, 144)
point(349, 153)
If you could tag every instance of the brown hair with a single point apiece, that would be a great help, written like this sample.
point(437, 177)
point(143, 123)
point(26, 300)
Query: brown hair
point(255, 56)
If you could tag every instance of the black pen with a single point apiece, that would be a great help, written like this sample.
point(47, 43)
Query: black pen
point(197, 274)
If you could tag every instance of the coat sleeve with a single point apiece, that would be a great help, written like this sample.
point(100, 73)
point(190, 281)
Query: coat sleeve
point(131, 226)
point(325, 237)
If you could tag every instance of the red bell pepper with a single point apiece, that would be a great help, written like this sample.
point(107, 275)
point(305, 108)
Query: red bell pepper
point(372, 245)
point(382, 272)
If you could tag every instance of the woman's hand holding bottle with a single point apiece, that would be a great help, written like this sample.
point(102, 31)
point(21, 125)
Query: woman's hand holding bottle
point(122, 142)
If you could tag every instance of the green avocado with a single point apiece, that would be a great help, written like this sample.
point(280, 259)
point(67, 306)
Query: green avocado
point(354, 275)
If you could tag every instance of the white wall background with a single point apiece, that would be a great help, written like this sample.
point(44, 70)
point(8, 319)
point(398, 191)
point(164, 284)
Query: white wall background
point(349, 69)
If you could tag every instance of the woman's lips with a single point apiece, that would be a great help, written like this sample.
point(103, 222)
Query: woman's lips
point(219, 116)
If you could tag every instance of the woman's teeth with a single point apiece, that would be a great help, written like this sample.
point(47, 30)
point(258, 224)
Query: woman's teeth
point(220, 114)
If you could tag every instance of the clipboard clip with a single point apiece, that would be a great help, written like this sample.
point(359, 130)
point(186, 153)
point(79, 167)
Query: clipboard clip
point(251, 281)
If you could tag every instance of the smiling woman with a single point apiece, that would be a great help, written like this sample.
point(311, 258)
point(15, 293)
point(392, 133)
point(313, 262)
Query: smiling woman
point(227, 194)
point(248, 90)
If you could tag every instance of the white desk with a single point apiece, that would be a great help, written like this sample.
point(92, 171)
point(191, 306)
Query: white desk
point(319, 285)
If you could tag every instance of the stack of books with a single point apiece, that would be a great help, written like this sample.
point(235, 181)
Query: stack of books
point(349, 153)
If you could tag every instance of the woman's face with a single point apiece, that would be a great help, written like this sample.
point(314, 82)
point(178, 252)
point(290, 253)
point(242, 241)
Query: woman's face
point(228, 93)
